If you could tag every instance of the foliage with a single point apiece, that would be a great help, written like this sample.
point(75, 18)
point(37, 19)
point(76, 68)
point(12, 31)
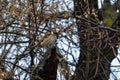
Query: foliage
point(109, 14)
point(24, 23)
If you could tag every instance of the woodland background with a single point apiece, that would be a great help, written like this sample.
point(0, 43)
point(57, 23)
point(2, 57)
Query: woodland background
point(89, 36)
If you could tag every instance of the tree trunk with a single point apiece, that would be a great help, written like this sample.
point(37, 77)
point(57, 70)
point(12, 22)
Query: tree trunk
point(96, 53)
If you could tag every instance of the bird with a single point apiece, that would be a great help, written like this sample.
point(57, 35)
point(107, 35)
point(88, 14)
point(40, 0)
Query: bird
point(49, 40)
point(49, 71)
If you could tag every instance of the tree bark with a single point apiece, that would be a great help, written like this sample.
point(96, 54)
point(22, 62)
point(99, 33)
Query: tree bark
point(96, 53)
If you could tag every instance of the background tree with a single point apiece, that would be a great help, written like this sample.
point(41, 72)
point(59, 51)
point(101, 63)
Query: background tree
point(81, 26)
point(97, 41)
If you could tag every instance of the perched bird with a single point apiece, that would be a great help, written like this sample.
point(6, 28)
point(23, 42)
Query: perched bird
point(49, 71)
point(49, 40)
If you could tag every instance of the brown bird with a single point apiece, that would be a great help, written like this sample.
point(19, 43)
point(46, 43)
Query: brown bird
point(49, 40)
point(49, 71)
